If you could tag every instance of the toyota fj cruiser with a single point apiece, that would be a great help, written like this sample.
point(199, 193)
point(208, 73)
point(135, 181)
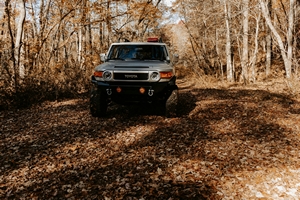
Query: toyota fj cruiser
point(135, 72)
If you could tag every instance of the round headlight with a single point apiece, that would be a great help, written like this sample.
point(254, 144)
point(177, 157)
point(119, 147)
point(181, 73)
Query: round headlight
point(107, 75)
point(155, 76)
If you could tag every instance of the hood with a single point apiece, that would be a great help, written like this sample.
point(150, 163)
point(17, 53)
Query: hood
point(133, 65)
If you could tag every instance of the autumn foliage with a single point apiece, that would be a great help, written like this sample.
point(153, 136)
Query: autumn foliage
point(60, 44)
point(49, 48)
point(231, 139)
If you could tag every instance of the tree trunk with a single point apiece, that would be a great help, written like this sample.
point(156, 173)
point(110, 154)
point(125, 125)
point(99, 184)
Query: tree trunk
point(82, 35)
point(297, 38)
point(80, 44)
point(290, 36)
point(89, 38)
point(245, 53)
point(218, 54)
point(108, 22)
point(18, 38)
point(33, 21)
point(101, 37)
point(12, 43)
point(253, 61)
point(228, 42)
point(269, 44)
point(39, 39)
point(285, 56)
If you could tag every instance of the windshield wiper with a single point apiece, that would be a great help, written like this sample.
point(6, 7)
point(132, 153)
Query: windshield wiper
point(115, 59)
point(131, 59)
point(157, 59)
point(136, 58)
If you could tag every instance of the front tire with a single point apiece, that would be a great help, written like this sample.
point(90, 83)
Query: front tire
point(171, 104)
point(98, 103)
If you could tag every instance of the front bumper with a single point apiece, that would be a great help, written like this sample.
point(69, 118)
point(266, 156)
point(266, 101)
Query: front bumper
point(124, 92)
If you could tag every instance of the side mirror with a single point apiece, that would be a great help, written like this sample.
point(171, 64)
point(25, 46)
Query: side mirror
point(175, 57)
point(103, 57)
point(168, 59)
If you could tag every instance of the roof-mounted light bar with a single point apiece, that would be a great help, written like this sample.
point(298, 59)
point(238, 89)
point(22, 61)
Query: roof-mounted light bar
point(152, 40)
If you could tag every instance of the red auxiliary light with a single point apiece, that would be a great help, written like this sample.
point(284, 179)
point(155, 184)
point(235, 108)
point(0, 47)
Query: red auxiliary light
point(142, 90)
point(152, 40)
point(119, 90)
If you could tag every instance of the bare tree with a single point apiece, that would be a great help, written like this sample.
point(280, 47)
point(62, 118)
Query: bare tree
point(255, 52)
point(245, 54)
point(227, 12)
point(291, 18)
point(18, 43)
point(285, 53)
point(12, 47)
point(269, 43)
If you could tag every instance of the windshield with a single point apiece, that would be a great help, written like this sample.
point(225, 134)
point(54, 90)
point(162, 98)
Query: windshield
point(140, 52)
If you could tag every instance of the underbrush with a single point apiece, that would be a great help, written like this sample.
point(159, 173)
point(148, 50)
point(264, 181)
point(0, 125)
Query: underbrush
point(71, 82)
point(275, 84)
point(39, 87)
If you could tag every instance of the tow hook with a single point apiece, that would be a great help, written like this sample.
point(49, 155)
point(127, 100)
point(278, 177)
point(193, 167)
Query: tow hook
point(150, 92)
point(108, 91)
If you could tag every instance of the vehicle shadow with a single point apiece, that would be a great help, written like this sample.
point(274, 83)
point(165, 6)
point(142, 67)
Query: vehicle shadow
point(186, 103)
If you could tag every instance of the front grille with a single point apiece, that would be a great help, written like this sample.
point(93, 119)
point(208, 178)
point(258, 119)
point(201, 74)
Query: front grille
point(131, 76)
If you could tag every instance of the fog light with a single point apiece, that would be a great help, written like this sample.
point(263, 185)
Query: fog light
point(142, 90)
point(119, 90)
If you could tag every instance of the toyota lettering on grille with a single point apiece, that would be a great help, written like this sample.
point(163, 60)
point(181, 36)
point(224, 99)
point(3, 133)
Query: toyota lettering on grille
point(130, 76)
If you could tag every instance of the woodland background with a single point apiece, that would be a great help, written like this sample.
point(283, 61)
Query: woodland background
point(49, 48)
point(237, 132)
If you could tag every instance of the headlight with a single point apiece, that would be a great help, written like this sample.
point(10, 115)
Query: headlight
point(107, 75)
point(155, 76)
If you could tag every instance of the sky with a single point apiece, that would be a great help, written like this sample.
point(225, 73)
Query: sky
point(169, 2)
point(174, 18)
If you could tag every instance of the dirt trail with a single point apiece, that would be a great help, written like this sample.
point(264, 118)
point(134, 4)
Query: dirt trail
point(224, 144)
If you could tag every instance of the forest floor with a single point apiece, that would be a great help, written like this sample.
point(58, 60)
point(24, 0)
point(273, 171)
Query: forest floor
point(228, 142)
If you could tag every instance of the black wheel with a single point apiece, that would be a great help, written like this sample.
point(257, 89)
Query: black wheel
point(98, 103)
point(171, 104)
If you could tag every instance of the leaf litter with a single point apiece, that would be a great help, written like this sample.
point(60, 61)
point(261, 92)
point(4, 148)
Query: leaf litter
point(225, 144)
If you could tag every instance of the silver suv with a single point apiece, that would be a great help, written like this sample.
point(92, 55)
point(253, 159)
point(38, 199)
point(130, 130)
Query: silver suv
point(135, 72)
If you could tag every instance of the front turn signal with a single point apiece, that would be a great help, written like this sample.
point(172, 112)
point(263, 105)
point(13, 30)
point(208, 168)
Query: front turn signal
point(98, 74)
point(166, 75)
